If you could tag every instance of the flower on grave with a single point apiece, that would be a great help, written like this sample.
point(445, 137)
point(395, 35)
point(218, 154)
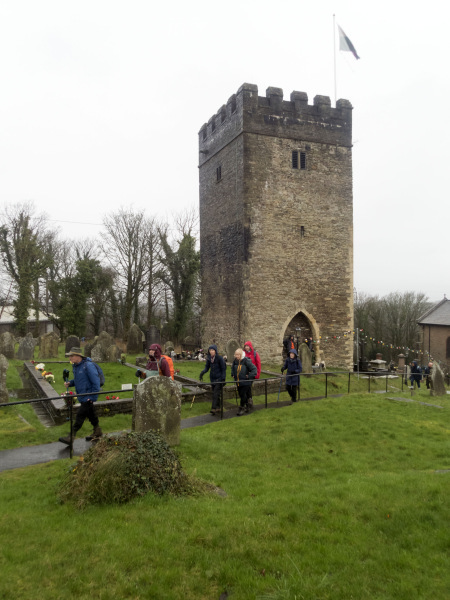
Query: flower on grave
point(107, 398)
point(40, 367)
point(50, 377)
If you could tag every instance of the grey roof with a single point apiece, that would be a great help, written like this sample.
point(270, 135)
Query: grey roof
point(439, 314)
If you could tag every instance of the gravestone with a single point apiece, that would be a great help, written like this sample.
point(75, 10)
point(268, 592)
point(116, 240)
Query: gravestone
point(48, 347)
point(113, 353)
point(7, 343)
point(437, 381)
point(72, 341)
point(134, 343)
point(27, 345)
point(88, 347)
point(3, 368)
point(306, 358)
point(99, 351)
point(157, 406)
point(232, 346)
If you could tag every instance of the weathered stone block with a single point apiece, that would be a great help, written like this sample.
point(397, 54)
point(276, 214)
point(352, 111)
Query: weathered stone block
point(157, 406)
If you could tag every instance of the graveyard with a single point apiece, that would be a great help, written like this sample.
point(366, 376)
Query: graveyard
point(317, 499)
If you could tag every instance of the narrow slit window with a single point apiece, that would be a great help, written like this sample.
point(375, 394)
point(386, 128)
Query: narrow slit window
point(233, 106)
point(299, 159)
point(213, 126)
point(302, 231)
point(302, 160)
point(219, 173)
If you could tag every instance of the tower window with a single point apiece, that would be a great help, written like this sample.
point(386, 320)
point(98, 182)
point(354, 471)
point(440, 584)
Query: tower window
point(298, 159)
point(219, 173)
point(233, 106)
point(213, 125)
point(302, 231)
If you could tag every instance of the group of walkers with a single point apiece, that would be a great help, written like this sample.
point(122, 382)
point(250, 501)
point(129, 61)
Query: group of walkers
point(245, 368)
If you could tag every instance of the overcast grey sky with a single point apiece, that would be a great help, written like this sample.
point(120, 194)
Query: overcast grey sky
point(101, 102)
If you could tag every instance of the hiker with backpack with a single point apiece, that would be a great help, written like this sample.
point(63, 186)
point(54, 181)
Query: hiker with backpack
point(254, 357)
point(293, 366)
point(217, 374)
point(86, 380)
point(416, 374)
point(158, 362)
point(243, 372)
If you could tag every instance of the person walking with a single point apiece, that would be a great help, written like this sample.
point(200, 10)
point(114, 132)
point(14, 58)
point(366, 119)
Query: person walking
point(86, 380)
point(157, 362)
point(254, 357)
point(293, 366)
point(217, 374)
point(427, 372)
point(416, 374)
point(243, 372)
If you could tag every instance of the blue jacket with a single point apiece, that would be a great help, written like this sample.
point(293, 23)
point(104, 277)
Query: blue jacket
point(218, 368)
point(292, 365)
point(86, 380)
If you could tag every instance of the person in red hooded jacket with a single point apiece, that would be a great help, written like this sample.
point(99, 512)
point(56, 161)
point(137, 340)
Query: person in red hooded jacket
point(254, 357)
point(156, 362)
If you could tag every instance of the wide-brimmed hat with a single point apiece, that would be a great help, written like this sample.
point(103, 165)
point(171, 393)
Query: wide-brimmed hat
point(75, 352)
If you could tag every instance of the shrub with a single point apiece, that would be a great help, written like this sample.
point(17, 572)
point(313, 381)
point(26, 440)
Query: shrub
point(117, 469)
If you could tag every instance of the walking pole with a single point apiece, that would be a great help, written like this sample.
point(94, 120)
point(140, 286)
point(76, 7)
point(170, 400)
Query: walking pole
point(66, 378)
point(192, 402)
point(279, 391)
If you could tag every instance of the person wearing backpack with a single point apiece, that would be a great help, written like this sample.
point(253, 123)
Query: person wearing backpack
point(254, 357)
point(157, 362)
point(293, 365)
point(243, 372)
point(86, 380)
point(416, 374)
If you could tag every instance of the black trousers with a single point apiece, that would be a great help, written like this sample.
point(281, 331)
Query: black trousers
point(86, 410)
point(245, 392)
point(216, 388)
point(292, 391)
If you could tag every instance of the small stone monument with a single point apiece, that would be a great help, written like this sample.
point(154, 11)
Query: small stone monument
point(305, 355)
point(134, 343)
point(49, 345)
point(72, 341)
point(153, 336)
point(3, 368)
point(27, 345)
point(401, 363)
point(232, 346)
point(113, 353)
point(7, 344)
point(157, 406)
point(437, 381)
point(99, 351)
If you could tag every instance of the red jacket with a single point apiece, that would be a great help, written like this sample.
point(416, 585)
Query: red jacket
point(254, 357)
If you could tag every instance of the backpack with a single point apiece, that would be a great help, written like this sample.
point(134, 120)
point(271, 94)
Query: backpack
point(99, 371)
point(170, 361)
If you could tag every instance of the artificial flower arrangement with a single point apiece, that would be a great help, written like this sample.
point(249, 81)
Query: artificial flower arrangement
point(112, 398)
point(40, 367)
point(48, 375)
point(69, 398)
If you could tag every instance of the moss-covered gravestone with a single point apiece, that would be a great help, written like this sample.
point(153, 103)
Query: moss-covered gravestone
point(437, 381)
point(7, 343)
point(3, 368)
point(305, 355)
point(157, 406)
point(49, 345)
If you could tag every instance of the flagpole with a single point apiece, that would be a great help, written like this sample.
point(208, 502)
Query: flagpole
point(334, 47)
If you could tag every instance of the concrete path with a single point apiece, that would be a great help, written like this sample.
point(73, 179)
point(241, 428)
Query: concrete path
point(35, 455)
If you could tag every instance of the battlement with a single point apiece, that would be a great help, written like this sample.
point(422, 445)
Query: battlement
point(245, 111)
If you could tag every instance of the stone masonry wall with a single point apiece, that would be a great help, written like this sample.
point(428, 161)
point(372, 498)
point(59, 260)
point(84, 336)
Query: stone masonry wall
point(277, 241)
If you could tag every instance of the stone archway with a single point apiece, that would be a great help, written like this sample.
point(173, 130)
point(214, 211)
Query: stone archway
point(302, 324)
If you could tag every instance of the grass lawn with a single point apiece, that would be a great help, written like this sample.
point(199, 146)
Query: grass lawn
point(336, 499)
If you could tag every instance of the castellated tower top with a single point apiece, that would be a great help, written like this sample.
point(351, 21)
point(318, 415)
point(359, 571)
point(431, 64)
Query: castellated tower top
point(273, 116)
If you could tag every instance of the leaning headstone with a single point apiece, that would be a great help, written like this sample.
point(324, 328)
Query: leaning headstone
point(3, 368)
point(26, 347)
point(134, 341)
point(157, 406)
point(49, 345)
point(88, 347)
point(7, 343)
point(232, 346)
point(306, 358)
point(437, 381)
point(72, 341)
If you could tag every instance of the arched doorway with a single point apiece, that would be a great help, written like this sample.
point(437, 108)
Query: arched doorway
point(303, 327)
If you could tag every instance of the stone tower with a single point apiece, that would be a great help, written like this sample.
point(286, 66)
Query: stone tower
point(276, 224)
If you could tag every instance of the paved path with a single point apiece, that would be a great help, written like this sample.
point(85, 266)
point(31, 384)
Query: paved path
point(35, 455)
